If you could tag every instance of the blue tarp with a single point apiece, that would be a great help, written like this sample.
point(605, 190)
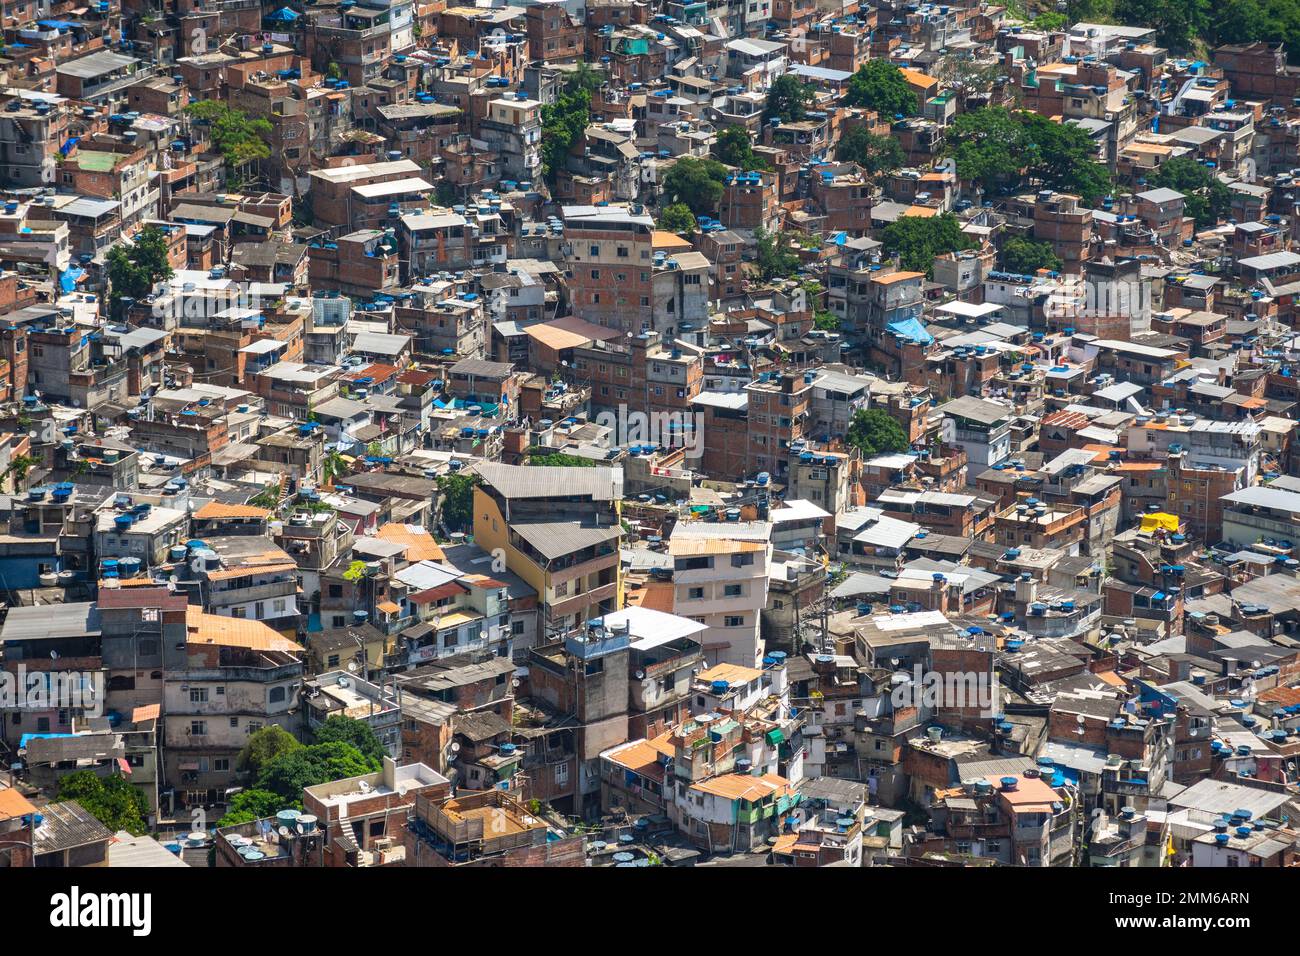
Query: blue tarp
point(67, 147)
point(911, 329)
point(284, 14)
point(68, 278)
point(57, 24)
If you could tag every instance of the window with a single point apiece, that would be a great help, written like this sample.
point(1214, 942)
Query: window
point(277, 695)
point(733, 590)
point(234, 721)
point(198, 728)
point(561, 774)
point(737, 620)
point(695, 594)
point(198, 695)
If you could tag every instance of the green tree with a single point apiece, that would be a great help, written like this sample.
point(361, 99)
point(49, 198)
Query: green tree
point(1027, 256)
point(110, 800)
point(775, 255)
point(457, 491)
point(1004, 150)
point(826, 321)
point(239, 139)
point(1208, 199)
point(880, 85)
point(876, 154)
point(286, 775)
point(918, 240)
point(558, 459)
point(1051, 21)
point(134, 266)
point(735, 148)
point(1178, 23)
point(263, 746)
point(333, 467)
point(695, 182)
point(565, 121)
point(875, 433)
point(677, 218)
point(249, 805)
point(788, 98)
point(357, 733)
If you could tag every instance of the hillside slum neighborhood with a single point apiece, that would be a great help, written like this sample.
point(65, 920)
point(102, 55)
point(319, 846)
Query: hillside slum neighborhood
point(628, 433)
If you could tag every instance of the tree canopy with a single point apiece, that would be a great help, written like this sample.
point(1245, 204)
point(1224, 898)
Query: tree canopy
point(876, 154)
point(357, 733)
point(239, 138)
point(677, 217)
point(558, 459)
point(134, 267)
point(1026, 256)
point(457, 492)
point(1178, 23)
point(1005, 150)
point(874, 433)
point(110, 800)
point(695, 182)
point(286, 775)
point(263, 746)
point(788, 98)
point(735, 148)
point(880, 85)
point(565, 121)
point(918, 240)
point(249, 805)
point(776, 258)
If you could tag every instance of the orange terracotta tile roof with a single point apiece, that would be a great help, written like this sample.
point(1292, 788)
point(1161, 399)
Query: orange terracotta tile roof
point(216, 509)
point(1101, 452)
point(740, 786)
point(376, 371)
point(14, 804)
point(419, 544)
point(245, 570)
point(220, 631)
point(655, 595)
point(891, 277)
point(1072, 420)
point(642, 756)
point(699, 546)
point(669, 240)
point(388, 607)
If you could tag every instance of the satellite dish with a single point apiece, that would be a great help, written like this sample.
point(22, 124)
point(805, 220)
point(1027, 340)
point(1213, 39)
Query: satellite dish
point(455, 747)
point(54, 655)
point(352, 666)
point(640, 675)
